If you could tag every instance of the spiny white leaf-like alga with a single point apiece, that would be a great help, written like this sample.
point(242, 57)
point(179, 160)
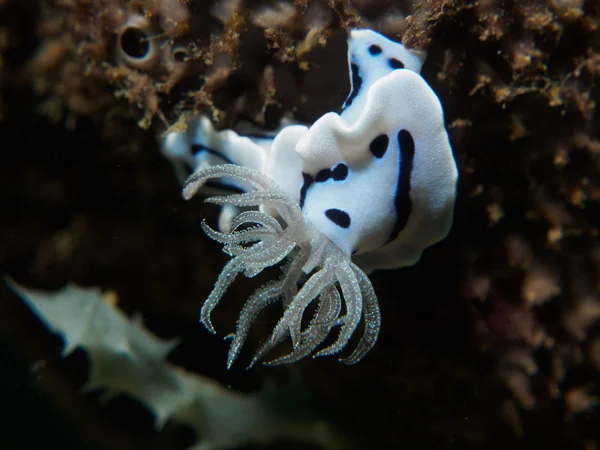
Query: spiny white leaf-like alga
point(367, 188)
point(125, 358)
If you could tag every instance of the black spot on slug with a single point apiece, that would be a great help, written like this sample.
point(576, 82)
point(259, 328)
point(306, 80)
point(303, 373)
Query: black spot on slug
point(338, 173)
point(339, 217)
point(375, 50)
point(379, 145)
point(322, 176)
point(308, 180)
point(395, 63)
point(356, 85)
point(403, 202)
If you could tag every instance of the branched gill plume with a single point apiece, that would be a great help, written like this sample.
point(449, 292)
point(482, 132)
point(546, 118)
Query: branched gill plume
point(316, 269)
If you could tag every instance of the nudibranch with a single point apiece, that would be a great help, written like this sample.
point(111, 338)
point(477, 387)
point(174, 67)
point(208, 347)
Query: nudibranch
point(367, 188)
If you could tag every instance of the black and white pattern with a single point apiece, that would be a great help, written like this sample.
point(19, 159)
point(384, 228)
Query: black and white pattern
point(403, 202)
point(339, 217)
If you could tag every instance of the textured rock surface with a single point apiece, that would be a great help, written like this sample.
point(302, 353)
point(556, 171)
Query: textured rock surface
point(491, 341)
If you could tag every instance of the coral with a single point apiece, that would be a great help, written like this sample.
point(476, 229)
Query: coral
point(166, 60)
point(528, 140)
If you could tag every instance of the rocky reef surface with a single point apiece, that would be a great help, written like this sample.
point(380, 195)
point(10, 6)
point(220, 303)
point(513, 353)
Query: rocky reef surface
point(491, 341)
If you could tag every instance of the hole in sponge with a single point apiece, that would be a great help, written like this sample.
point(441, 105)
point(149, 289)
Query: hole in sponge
point(135, 43)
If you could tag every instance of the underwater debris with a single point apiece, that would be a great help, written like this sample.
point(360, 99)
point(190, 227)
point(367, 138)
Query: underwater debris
point(126, 358)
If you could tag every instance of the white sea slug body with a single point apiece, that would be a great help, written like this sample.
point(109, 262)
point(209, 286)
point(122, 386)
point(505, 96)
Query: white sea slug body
point(368, 188)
